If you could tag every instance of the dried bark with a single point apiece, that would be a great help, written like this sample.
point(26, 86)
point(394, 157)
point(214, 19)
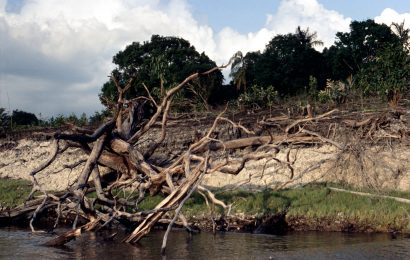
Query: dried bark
point(116, 145)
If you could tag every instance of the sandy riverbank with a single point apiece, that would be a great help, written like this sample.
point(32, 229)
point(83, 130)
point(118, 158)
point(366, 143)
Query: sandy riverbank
point(378, 167)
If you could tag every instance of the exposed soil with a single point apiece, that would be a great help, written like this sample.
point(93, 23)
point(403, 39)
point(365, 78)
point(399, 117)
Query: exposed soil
point(373, 159)
point(375, 154)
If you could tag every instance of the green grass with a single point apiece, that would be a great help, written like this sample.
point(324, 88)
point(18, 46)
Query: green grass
point(150, 202)
point(311, 202)
point(320, 202)
point(13, 192)
point(315, 202)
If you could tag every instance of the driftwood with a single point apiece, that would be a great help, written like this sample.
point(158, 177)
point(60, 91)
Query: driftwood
point(70, 235)
point(403, 200)
point(117, 145)
point(310, 118)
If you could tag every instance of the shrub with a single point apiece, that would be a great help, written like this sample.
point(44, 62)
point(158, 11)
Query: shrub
point(335, 91)
point(258, 97)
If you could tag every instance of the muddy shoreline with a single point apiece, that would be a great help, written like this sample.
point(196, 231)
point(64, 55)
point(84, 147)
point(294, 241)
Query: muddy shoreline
point(273, 224)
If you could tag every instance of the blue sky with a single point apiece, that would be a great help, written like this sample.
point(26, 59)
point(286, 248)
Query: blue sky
point(56, 54)
point(364, 9)
point(246, 16)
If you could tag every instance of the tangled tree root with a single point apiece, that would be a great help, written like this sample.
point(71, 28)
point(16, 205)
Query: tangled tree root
point(116, 145)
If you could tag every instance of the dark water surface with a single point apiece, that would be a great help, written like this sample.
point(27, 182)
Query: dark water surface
point(21, 244)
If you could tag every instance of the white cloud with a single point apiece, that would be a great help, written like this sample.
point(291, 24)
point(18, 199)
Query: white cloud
point(55, 55)
point(3, 5)
point(389, 16)
point(308, 13)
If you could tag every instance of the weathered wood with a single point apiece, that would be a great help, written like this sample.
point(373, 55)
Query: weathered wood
point(354, 123)
point(260, 140)
point(403, 200)
point(107, 127)
point(51, 158)
point(122, 145)
point(322, 116)
point(181, 204)
point(89, 165)
point(175, 197)
point(70, 235)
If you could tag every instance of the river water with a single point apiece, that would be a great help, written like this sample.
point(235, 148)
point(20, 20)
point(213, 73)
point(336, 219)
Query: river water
point(22, 244)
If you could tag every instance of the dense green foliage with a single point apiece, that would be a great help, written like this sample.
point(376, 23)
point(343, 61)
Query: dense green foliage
point(17, 118)
point(258, 96)
point(375, 55)
point(288, 61)
point(286, 64)
point(388, 73)
point(24, 118)
point(357, 47)
point(371, 57)
point(60, 120)
point(162, 63)
point(20, 120)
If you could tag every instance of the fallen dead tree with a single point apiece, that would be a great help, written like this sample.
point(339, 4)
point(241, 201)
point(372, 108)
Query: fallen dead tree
point(117, 145)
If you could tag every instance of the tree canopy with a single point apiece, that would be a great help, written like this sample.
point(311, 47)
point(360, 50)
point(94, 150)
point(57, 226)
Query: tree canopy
point(375, 58)
point(388, 73)
point(286, 64)
point(160, 64)
point(24, 118)
point(354, 48)
point(244, 70)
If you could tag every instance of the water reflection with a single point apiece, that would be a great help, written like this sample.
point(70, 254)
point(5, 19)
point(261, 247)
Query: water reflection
point(20, 244)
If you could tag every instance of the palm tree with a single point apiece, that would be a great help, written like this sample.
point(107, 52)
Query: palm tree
point(307, 38)
point(238, 71)
point(402, 32)
point(4, 120)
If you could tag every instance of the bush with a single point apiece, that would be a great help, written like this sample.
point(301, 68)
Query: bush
point(387, 74)
point(24, 118)
point(336, 92)
point(258, 97)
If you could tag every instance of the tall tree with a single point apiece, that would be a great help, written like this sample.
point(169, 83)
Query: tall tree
point(307, 38)
point(4, 120)
point(288, 61)
point(354, 48)
point(160, 64)
point(388, 74)
point(403, 33)
point(243, 70)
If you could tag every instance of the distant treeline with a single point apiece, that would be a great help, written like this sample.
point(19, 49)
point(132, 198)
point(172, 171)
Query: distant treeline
point(22, 120)
point(372, 58)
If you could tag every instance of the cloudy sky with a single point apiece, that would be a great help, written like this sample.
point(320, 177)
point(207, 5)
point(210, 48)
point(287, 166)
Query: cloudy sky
point(56, 54)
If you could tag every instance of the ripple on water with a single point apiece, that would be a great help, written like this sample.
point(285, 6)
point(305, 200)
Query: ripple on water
point(21, 244)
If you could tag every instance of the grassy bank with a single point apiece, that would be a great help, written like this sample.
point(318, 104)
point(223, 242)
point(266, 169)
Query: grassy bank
point(13, 192)
point(312, 207)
